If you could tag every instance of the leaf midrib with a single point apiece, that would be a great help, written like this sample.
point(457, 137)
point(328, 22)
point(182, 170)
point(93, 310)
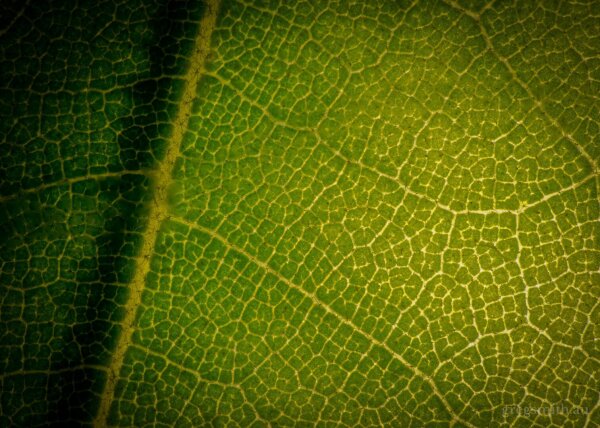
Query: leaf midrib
point(158, 210)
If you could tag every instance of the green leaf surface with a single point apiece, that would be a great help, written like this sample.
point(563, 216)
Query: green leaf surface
point(312, 213)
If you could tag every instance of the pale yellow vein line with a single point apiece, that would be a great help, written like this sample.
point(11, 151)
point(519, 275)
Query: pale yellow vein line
point(515, 77)
point(158, 209)
point(13, 21)
point(200, 378)
point(318, 302)
point(590, 414)
point(340, 155)
point(51, 372)
point(548, 196)
point(374, 170)
point(557, 342)
point(68, 181)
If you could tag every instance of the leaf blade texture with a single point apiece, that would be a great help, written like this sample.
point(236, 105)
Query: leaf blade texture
point(315, 213)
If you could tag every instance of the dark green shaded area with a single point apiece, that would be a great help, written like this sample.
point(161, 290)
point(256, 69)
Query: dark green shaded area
point(87, 93)
point(59, 399)
point(66, 261)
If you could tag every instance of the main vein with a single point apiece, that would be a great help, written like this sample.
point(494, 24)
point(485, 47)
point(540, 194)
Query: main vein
point(158, 209)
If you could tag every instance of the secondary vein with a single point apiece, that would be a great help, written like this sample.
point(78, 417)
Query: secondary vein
point(454, 414)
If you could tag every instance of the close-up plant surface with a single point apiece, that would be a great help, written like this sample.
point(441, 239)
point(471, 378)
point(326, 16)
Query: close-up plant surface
point(311, 213)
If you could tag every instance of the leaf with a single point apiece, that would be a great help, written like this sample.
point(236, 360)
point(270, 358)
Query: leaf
point(253, 214)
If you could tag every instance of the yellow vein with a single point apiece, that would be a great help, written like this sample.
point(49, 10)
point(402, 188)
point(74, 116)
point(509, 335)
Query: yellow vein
point(548, 196)
point(68, 181)
point(158, 209)
point(515, 77)
point(13, 21)
point(200, 378)
point(590, 414)
point(318, 302)
point(50, 372)
point(341, 156)
point(376, 171)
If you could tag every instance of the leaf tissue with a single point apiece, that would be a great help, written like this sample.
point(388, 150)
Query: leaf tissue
point(299, 213)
